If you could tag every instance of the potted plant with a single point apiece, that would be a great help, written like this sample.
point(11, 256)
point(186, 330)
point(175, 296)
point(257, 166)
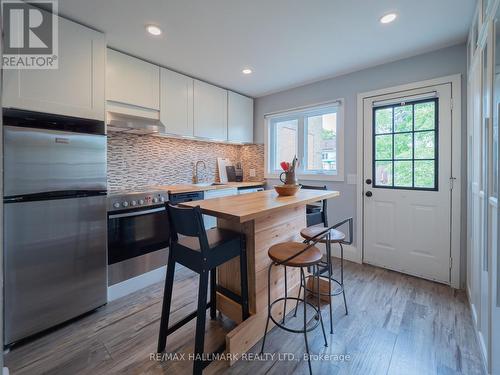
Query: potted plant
point(289, 178)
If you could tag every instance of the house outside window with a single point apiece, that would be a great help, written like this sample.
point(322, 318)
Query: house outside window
point(314, 134)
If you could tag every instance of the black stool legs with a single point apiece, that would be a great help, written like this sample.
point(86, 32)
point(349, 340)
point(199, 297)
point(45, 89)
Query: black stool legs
point(319, 306)
point(199, 343)
point(330, 272)
point(167, 301)
point(206, 276)
point(342, 276)
point(213, 293)
point(329, 269)
point(316, 273)
point(286, 296)
point(302, 276)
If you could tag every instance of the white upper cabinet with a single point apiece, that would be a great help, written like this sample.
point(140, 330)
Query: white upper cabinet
point(132, 81)
point(176, 104)
point(210, 111)
point(76, 88)
point(239, 118)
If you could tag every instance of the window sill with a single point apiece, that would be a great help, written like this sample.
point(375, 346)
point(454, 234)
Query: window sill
point(309, 177)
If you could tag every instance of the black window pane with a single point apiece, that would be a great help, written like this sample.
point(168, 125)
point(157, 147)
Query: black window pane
point(403, 144)
point(403, 174)
point(425, 145)
point(383, 120)
point(425, 116)
point(383, 173)
point(383, 147)
point(425, 174)
point(403, 118)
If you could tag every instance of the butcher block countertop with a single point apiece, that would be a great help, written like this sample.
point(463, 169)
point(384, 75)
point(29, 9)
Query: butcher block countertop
point(245, 207)
point(188, 188)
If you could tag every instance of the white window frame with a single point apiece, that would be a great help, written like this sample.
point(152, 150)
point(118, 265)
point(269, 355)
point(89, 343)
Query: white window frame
point(302, 144)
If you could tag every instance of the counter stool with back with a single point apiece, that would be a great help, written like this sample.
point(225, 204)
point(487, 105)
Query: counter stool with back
point(202, 251)
point(317, 224)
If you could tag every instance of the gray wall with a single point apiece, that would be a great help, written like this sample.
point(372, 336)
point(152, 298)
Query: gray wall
point(447, 61)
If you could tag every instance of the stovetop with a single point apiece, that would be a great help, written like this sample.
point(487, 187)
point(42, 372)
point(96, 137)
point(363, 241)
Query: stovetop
point(119, 200)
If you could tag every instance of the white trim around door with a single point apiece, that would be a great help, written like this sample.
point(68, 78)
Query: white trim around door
point(456, 131)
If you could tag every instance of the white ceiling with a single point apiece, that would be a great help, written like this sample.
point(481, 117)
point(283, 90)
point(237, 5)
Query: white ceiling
point(286, 42)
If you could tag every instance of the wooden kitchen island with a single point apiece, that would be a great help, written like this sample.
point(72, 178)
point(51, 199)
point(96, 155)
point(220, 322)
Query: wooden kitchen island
point(265, 219)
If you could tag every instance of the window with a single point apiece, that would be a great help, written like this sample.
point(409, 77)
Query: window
point(405, 145)
point(314, 134)
point(286, 134)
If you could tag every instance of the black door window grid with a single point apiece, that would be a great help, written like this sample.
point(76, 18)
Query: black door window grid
point(405, 145)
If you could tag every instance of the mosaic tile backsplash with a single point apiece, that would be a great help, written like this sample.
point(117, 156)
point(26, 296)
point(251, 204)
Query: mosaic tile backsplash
point(137, 161)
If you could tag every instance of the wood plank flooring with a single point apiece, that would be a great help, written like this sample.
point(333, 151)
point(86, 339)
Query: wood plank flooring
point(397, 324)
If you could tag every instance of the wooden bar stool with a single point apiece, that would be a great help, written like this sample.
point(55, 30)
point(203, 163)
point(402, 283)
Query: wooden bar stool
point(201, 251)
point(297, 255)
point(330, 236)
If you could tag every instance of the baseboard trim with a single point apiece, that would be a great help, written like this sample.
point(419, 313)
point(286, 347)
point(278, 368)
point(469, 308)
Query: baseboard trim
point(479, 340)
point(350, 252)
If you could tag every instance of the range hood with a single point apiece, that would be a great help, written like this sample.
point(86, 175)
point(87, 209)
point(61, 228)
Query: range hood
point(117, 122)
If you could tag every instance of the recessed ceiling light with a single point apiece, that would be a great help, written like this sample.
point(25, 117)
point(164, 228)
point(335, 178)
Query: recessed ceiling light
point(388, 18)
point(153, 30)
point(247, 71)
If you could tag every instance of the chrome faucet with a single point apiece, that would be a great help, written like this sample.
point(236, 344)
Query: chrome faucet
point(196, 178)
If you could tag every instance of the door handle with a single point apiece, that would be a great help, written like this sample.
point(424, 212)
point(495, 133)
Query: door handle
point(368, 181)
point(368, 193)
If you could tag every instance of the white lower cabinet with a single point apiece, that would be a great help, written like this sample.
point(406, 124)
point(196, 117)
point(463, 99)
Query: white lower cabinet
point(76, 88)
point(211, 221)
point(176, 103)
point(210, 111)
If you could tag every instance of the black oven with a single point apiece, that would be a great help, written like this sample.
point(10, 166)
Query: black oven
point(136, 231)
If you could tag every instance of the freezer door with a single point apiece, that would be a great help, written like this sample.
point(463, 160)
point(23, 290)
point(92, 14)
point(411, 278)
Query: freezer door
point(40, 160)
point(54, 262)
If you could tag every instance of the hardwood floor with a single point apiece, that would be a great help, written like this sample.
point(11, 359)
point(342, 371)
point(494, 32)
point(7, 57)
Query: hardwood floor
point(397, 324)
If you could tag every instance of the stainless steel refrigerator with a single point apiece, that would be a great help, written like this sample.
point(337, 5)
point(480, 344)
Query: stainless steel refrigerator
point(55, 220)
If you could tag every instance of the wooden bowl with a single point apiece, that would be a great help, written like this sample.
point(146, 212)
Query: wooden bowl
point(287, 190)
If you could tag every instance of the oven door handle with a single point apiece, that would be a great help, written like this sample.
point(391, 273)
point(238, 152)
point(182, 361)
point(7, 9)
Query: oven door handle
point(136, 213)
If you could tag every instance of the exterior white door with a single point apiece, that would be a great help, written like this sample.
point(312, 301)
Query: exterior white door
point(408, 181)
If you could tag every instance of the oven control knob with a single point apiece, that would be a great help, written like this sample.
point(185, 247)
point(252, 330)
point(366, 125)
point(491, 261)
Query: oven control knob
point(125, 204)
point(141, 201)
point(116, 205)
point(155, 200)
point(133, 203)
point(162, 199)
